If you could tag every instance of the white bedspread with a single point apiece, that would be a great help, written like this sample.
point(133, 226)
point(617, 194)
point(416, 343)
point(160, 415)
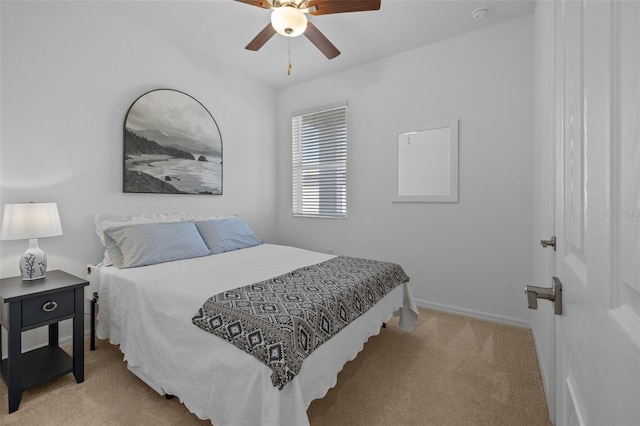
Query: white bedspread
point(148, 311)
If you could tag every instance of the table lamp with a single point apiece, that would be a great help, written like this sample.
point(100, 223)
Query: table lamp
point(30, 221)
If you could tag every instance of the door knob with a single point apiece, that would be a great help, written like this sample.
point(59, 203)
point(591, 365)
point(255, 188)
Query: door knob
point(554, 294)
point(549, 243)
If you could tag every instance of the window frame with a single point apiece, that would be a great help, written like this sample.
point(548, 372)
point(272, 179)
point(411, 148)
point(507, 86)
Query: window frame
point(334, 163)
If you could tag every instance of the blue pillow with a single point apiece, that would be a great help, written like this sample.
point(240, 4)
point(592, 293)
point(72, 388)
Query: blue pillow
point(222, 235)
point(129, 246)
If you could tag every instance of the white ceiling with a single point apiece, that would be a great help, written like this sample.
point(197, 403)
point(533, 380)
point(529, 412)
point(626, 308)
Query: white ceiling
point(214, 32)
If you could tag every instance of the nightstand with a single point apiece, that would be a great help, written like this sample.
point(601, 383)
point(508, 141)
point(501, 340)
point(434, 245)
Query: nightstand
point(30, 304)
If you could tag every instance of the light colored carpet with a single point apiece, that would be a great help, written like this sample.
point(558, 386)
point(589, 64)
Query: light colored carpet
point(451, 370)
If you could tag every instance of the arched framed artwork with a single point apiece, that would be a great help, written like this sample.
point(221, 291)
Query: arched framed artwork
point(172, 145)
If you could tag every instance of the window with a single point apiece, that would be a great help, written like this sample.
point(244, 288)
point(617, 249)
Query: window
point(319, 140)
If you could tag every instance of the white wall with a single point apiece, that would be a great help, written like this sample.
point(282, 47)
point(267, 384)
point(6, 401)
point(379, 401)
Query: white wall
point(70, 71)
point(473, 256)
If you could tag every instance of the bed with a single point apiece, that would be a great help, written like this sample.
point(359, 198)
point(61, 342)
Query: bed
point(149, 311)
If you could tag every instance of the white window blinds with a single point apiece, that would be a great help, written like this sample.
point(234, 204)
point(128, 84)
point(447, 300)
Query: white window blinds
point(319, 140)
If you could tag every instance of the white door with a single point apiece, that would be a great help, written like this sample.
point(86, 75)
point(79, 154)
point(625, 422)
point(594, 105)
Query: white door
point(597, 211)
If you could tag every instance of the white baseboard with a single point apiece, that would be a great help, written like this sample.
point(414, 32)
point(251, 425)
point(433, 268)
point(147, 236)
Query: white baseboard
point(501, 319)
point(545, 374)
point(63, 341)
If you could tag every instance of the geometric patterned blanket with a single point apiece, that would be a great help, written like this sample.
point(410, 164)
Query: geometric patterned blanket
point(282, 320)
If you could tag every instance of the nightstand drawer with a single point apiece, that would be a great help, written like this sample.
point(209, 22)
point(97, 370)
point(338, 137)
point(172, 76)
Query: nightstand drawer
point(49, 307)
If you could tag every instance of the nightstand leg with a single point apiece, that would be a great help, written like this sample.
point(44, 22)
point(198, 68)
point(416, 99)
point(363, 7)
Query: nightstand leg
point(94, 300)
point(53, 334)
point(78, 336)
point(15, 356)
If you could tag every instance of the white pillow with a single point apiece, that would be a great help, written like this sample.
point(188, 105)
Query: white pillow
point(104, 221)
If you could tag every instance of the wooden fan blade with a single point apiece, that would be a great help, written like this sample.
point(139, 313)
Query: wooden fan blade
point(326, 7)
point(320, 41)
point(262, 37)
point(265, 4)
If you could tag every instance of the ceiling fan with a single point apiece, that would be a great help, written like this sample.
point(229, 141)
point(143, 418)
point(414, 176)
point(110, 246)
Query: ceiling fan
point(288, 17)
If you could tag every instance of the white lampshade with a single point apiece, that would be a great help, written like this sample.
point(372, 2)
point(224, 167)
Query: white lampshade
point(30, 221)
point(289, 21)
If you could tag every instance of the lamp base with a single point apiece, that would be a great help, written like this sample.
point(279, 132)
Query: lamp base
point(33, 263)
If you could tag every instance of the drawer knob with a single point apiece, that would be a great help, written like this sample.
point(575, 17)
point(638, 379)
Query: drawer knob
point(49, 306)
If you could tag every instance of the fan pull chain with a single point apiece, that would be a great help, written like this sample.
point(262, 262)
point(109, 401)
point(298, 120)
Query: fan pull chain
point(289, 57)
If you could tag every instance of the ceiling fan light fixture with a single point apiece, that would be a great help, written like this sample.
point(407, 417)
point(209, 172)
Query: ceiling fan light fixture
point(289, 21)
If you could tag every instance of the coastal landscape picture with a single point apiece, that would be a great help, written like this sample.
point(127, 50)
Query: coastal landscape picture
point(172, 145)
